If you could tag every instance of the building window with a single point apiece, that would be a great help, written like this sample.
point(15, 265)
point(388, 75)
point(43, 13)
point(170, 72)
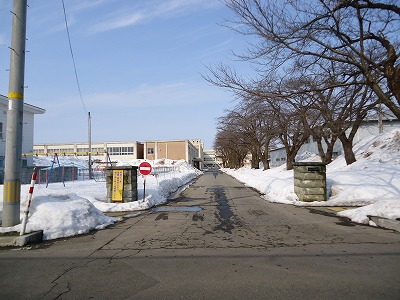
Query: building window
point(97, 151)
point(82, 151)
point(1, 130)
point(126, 150)
point(120, 150)
point(113, 150)
point(38, 151)
point(150, 150)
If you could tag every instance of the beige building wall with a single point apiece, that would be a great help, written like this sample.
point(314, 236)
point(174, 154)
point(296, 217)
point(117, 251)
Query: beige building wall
point(173, 149)
point(150, 150)
point(176, 149)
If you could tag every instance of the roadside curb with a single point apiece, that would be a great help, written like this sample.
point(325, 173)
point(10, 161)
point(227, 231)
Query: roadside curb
point(21, 240)
point(385, 223)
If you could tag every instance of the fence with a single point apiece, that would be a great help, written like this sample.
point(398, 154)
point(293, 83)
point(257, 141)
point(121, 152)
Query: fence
point(61, 174)
point(164, 170)
point(74, 173)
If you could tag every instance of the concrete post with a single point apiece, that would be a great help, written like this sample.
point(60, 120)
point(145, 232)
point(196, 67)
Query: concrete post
point(310, 181)
point(130, 187)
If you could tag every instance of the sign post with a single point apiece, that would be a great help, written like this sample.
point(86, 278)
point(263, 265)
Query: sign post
point(145, 169)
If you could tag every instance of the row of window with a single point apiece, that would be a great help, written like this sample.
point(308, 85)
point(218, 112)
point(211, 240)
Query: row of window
point(120, 150)
point(83, 151)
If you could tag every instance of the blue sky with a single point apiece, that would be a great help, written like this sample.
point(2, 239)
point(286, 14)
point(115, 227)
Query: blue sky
point(139, 65)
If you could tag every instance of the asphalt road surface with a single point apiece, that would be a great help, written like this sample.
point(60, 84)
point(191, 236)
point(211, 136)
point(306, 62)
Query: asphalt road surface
point(216, 240)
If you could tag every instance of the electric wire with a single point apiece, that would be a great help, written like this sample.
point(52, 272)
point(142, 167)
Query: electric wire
point(73, 58)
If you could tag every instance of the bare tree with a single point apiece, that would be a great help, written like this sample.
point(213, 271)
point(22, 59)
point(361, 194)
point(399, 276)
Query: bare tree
point(331, 110)
point(230, 142)
point(361, 36)
point(281, 117)
point(246, 124)
point(269, 126)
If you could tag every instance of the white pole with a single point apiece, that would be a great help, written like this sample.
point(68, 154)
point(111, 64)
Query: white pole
point(25, 219)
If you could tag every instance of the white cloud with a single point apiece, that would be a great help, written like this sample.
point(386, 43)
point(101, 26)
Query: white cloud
point(151, 10)
point(119, 22)
point(88, 4)
point(221, 47)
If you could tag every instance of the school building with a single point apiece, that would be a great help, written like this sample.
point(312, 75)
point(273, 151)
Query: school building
point(192, 151)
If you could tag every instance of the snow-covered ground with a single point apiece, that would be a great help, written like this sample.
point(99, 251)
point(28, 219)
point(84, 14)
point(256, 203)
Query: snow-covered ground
point(372, 184)
point(79, 207)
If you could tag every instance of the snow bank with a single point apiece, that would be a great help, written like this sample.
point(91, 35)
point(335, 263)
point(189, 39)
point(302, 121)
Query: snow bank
point(372, 181)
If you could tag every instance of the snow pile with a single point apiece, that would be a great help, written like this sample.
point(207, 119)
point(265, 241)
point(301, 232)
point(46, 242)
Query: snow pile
point(372, 181)
point(72, 215)
point(78, 207)
point(389, 209)
point(308, 156)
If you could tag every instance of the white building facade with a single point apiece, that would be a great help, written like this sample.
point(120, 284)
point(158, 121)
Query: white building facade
point(211, 159)
point(124, 151)
point(27, 132)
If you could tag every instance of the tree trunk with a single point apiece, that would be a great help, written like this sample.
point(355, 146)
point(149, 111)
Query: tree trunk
point(255, 159)
point(321, 151)
point(347, 149)
point(326, 156)
point(265, 158)
point(290, 160)
point(384, 98)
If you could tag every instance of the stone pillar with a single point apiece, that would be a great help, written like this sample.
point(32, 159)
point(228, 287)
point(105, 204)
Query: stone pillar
point(310, 181)
point(129, 183)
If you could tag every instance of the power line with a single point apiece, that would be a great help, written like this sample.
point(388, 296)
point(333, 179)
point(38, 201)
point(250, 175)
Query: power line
point(73, 59)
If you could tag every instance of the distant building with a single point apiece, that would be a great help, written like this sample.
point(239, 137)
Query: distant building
point(124, 151)
point(211, 159)
point(27, 132)
point(369, 127)
point(189, 150)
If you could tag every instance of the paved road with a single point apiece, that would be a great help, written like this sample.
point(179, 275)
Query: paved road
point(216, 240)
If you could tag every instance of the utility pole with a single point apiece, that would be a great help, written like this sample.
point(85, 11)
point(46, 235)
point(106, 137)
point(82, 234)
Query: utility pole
point(380, 117)
point(90, 145)
point(13, 155)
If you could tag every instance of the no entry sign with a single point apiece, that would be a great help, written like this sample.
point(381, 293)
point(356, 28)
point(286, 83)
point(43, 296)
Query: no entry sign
point(145, 168)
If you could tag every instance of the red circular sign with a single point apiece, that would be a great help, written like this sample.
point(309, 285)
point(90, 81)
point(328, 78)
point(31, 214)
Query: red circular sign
point(145, 168)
